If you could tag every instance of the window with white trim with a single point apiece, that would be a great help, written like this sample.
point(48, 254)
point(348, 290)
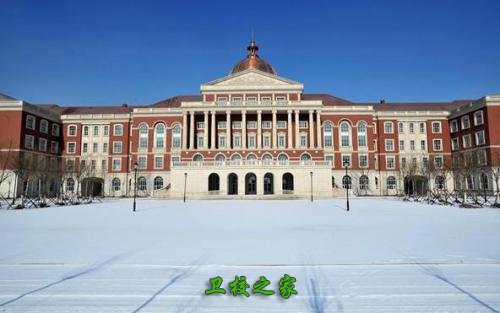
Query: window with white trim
point(422, 127)
point(221, 125)
point(345, 140)
point(401, 128)
point(95, 132)
point(453, 126)
point(222, 141)
point(54, 147)
point(236, 141)
point(466, 141)
point(465, 122)
point(44, 126)
point(251, 101)
point(478, 118)
point(236, 100)
point(142, 162)
point(265, 100)
point(221, 101)
point(200, 125)
point(95, 148)
point(106, 130)
point(266, 141)
point(280, 100)
point(423, 145)
point(363, 160)
point(362, 134)
point(160, 135)
point(30, 122)
point(411, 128)
point(267, 124)
point(281, 125)
point(480, 140)
point(482, 158)
point(388, 128)
point(55, 130)
point(85, 148)
point(71, 147)
point(281, 141)
point(303, 140)
point(85, 130)
point(143, 136)
point(303, 124)
point(390, 162)
point(389, 145)
point(117, 147)
point(327, 134)
point(199, 141)
point(436, 127)
point(251, 141)
point(42, 144)
point(105, 148)
point(437, 144)
point(412, 145)
point(251, 124)
point(438, 161)
point(118, 130)
point(236, 125)
point(176, 136)
point(455, 144)
point(117, 164)
point(401, 145)
point(346, 160)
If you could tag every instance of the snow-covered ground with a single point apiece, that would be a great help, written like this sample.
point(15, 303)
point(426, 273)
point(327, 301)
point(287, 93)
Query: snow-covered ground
point(382, 256)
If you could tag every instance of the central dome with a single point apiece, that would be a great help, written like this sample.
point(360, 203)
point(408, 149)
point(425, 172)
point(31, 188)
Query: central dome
point(253, 61)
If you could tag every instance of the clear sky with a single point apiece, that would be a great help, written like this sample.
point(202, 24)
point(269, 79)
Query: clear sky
point(110, 52)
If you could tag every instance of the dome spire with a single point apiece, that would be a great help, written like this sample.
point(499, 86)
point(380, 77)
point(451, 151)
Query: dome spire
point(253, 61)
point(252, 48)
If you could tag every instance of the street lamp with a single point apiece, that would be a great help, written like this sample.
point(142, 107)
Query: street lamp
point(135, 182)
point(185, 181)
point(311, 173)
point(346, 184)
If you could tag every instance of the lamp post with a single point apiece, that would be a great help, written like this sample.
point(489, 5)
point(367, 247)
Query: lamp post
point(347, 185)
point(185, 182)
point(135, 183)
point(311, 174)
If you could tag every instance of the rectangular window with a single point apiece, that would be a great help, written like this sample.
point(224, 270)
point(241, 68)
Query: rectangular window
point(96, 131)
point(42, 144)
point(436, 144)
point(388, 128)
point(363, 160)
point(236, 101)
point(251, 141)
point(455, 145)
point(222, 141)
point(465, 122)
point(403, 162)
point(265, 100)
point(423, 146)
point(390, 163)
point(104, 165)
point(251, 101)
point(85, 130)
point(70, 165)
point(158, 162)
point(480, 138)
point(30, 122)
point(478, 118)
point(329, 159)
point(436, 127)
point(425, 162)
point(175, 160)
point(236, 125)
point(482, 158)
point(422, 127)
point(412, 145)
point(221, 101)
point(117, 164)
point(118, 130)
point(401, 145)
point(411, 128)
point(281, 141)
point(199, 141)
point(44, 126)
point(71, 147)
point(142, 162)
point(267, 124)
point(93, 165)
point(117, 147)
point(280, 100)
point(303, 141)
point(55, 130)
point(281, 124)
point(328, 140)
point(251, 125)
point(438, 161)
point(401, 128)
point(236, 141)
point(346, 160)
point(466, 141)
point(389, 145)
point(106, 130)
point(95, 148)
point(85, 148)
point(200, 125)
point(453, 126)
point(303, 124)
point(54, 147)
point(105, 147)
point(221, 125)
point(266, 141)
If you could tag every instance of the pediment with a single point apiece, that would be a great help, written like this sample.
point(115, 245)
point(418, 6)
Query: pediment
point(252, 79)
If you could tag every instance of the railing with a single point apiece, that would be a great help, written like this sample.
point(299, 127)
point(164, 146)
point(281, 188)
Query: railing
point(250, 163)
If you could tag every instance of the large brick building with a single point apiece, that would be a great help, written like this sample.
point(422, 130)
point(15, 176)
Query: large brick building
point(249, 133)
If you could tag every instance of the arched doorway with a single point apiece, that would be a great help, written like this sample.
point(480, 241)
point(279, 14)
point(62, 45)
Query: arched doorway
point(92, 187)
point(250, 184)
point(415, 185)
point(213, 183)
point(232, 184)
point(287, 184)
point(268, 184)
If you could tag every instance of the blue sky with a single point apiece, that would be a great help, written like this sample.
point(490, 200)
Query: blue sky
point(138, 52)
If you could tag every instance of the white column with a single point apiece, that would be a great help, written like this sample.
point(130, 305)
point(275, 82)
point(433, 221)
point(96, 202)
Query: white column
point(243, 129)
point(191, 131)
point(184, 130)
point(319, 136)
point(213, 131)
point(259, 130)
point(311, 130)
point(290, 129)
point(297, 135)
point(275, 137)
point(228, 129)
point(205, 132)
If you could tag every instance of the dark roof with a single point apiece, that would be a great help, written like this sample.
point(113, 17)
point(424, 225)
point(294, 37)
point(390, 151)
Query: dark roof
point(96, 109)
point(418, 106)
point(6, 97)
point(327, 99)
point(175, 102)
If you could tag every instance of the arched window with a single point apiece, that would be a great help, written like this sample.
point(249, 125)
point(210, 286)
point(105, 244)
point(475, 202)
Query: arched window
point(198, 158)
point(305, 158)
point(362, 134)
point(484, 181)
point(213, 182)
point(176, 136)
point(268, 184)
point(346, 182)
point(143, 136)
point(470, 182)
point(70, 185)
point(251, 159)
point(116, 184)
point(439, 182)
point(391, 182)
point(283, 159)
point(287, 183)
point(363, 182)
point(160, 135)
point(327, 134)
point(236, 158)
point(219, 159)
point(344, 134)
point(141, 183)
point(158, 183)
point(267, 159)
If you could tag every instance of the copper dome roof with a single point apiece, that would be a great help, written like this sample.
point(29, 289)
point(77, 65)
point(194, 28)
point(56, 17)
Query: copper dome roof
point(253, 61)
